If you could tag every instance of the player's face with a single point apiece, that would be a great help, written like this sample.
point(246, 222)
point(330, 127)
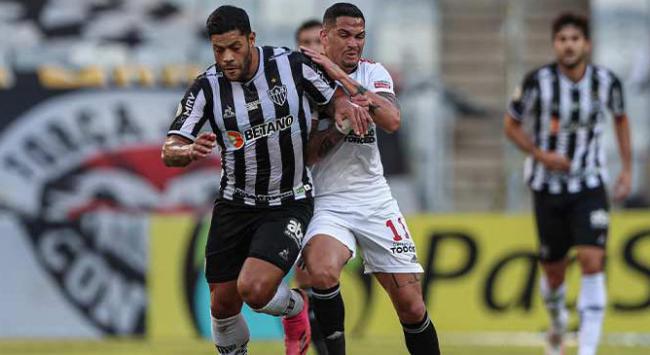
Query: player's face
point(233, 53)
point(310, 38)
point(571, 46)
point(344, 41)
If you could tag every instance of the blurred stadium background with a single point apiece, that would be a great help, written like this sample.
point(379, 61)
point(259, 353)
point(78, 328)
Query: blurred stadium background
point(101, 246)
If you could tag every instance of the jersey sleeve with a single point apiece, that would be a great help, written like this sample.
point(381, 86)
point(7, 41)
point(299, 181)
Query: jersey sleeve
point(379, 80)
point(615, 101)
point(190, 116)
point(317, 85)
point(523, 97)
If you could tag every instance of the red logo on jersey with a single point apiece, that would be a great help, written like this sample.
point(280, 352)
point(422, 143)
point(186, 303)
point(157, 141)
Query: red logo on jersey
point(236, 139)
point(381, 84)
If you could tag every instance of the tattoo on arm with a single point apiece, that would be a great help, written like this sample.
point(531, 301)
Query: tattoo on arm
point(390, 97)
point(361, 90)
point(321, 143)
point(330, 138)
point(408, 279)
point(175, 152)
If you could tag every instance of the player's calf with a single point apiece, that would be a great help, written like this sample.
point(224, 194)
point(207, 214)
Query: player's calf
point(229, 330)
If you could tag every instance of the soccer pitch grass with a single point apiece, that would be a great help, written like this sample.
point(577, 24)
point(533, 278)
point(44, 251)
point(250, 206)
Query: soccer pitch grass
point(390, 346)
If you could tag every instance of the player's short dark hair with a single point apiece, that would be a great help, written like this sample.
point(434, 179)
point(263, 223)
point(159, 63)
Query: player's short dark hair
point(228, 18)
point(571, 19)
point(307, 25)
point(341, 9)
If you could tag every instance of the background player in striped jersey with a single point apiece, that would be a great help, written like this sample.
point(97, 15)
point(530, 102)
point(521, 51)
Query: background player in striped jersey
point(566, 103)
point(353, 201)
point(255, 99)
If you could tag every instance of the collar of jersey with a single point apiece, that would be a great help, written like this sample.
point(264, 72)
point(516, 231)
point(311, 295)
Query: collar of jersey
point(585, 77)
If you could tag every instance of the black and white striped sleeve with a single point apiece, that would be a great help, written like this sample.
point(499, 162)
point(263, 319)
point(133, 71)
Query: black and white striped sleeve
point(615, 101)
point(318, 86)
point(190, 116)
point(523, 97)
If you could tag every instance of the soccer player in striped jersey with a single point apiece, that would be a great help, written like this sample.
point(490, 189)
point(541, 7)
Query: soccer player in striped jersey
point(353, 200)
point(255, 101)
point(566, 103)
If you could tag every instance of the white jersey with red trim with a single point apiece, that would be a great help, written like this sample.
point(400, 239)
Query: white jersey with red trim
point(352, 170)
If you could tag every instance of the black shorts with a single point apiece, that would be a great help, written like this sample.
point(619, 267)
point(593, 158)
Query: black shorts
point(273, 234)
point(569, 219)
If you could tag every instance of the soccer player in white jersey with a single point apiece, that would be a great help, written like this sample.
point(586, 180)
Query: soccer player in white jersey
point(353, 201)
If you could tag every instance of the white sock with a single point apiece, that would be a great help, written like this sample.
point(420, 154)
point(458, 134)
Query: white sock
point(554, 301)
point(285, 302)
point(230, 335)
point(591, 305)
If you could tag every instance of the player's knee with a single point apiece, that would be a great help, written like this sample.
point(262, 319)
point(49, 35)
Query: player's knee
point(223, 307)
point(591, 265)
point(411, 311)
point(324, 277)
point(591, 261)
point(255, 293)
point(555, 279)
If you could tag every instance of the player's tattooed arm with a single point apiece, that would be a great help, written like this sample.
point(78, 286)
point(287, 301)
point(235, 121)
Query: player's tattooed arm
point(179, 151)
point(321, 143)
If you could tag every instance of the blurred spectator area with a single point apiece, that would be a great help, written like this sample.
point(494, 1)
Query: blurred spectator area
point(455, 64)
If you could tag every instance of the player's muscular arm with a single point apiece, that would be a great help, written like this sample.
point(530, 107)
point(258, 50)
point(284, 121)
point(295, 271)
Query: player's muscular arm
point(551, 160)
point(180, 152)
point(384, 108)
point(321, 143)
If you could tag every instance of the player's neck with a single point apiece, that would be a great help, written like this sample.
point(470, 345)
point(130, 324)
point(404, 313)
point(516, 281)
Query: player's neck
point(348, 70)
point(575, 73)
point(254, 66)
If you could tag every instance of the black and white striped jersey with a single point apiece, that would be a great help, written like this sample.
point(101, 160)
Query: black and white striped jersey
point(262, 125)
point(569, 118)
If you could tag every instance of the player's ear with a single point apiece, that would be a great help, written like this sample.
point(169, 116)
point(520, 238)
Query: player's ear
point(251, 39)
point(323, 35)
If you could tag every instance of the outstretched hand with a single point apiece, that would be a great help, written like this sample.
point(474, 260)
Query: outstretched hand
point(333, 71)
point(203, 145)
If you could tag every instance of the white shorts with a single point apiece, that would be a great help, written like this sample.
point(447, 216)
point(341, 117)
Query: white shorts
point(381, 231)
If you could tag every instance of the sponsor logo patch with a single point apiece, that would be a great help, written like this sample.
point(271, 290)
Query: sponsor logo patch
point(369, 138)
point(235, 138)
point(293, 230)
point(238, 140)
point(599, 219)
point(381, 84)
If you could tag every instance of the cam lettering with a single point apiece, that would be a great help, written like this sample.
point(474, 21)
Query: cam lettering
point(115, 303)
point(50, 147)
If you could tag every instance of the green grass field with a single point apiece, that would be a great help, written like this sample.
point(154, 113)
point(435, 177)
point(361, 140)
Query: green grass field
point(365, 346)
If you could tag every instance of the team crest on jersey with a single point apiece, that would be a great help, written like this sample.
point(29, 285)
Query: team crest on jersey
point(278, 94)
point(235, 138)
